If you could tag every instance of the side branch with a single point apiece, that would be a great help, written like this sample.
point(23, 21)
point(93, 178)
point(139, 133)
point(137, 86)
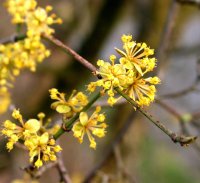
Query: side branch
point(64, 177)
point(72, 52)
point(13, 38)
point(189, 2)
point(67, 124)
point(181, 139)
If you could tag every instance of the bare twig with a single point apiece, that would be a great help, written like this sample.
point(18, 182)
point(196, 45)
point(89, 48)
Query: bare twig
point(43, 169)
point(13, 38)
point(180, 93)
point(64, 177)
point(176, 114)
point(189, 2)
point(21, 146)
point(72, 52)
point(168, 108)
point(121, 168)
point(196, 115)
point(37, 173)
point(181, 139)
point(167, 33)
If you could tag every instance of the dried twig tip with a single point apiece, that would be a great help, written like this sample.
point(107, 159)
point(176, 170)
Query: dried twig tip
point(183, 140)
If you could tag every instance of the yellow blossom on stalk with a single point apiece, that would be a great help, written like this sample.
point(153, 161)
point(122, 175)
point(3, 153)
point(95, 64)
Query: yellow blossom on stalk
point(42, 149)
point(23, 130)
point(136, 55)
point(35, 135)
point(142, 90)
point(113, 75)
point(68, 107)
point(93, 126)
point(128, 74)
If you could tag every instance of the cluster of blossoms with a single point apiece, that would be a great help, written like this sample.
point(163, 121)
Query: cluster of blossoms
point(91, 126)
point(28, 52)
point(35, 135)
point(69, 107)
point(128, 75)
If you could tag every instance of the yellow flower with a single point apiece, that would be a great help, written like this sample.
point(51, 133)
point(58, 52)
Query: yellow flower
point(28, 52)
point(128, 74)
point(91, 126)
point(136, 55)
point(68, 107)
point(113, 75)
point(22, 131)
point(38, 22)
point(43, 148)
point(35, 135)
point(19, 9)
point(142, 90)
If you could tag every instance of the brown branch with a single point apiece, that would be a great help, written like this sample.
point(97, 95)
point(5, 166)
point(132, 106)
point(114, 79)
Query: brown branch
point(166, 36)
point(67, 49)
point(43, 169)
point(12, 39)
point(196, 115)
point(64, 177)
point(180, 93)
point(168, 29)
point(189, 2)
point(168, 108)
point(120, 165)
point(181, 139)
point(175, 113)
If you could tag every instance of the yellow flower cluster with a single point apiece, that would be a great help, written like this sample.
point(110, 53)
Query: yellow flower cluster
point(91, 126)
point(36, 18)
point(35, 136)
point(28, 52)
point(68, 107)
point(128, 74)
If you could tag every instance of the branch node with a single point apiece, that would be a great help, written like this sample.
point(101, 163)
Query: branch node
point(65, 128)
point(183, 140)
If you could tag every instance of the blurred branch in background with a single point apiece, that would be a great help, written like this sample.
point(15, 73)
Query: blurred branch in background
point(182, 119)
point(189, 2)
point(64, 177)
point(165, 39)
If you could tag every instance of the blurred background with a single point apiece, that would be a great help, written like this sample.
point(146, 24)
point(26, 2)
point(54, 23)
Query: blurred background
point(134, 150)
